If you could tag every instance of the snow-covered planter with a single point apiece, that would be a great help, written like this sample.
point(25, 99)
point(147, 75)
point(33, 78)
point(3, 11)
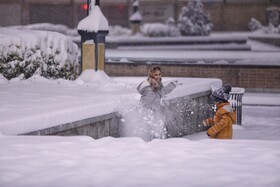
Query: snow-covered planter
point(28, 52)
point(193, 20)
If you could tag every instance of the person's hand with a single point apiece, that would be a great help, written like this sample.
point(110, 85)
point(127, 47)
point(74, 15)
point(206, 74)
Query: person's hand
point(154, 84)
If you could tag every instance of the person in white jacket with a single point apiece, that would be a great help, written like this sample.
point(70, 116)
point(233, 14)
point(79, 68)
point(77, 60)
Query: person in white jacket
point(152, 91)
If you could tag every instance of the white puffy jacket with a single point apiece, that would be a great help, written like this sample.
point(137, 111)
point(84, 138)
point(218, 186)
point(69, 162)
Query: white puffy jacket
point(151, 99)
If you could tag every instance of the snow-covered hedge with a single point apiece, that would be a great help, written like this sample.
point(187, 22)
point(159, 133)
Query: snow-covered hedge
point(118, 31)
point(160, 29)
point(29, 52)
point(154, 29)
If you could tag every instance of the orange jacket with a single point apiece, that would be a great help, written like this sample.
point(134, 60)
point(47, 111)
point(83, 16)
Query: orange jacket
point(221, 124)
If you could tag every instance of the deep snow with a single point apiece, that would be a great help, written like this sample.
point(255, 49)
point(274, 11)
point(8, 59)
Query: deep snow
point(252, 158)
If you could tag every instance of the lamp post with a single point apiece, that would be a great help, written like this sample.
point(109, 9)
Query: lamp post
point(136, 18)
point(93, 30)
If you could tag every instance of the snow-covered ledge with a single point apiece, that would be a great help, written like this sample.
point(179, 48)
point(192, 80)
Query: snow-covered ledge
point(90, 105)
point(182, 123)
point(95, 127)
point(187, 115)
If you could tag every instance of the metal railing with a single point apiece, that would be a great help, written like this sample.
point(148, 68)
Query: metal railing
point(236, 95)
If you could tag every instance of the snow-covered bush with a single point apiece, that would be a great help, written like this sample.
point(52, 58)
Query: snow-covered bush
point(193, 20)
point(28, 52)
point(254, 24)
point(173, 30)
point(154, 29)
point(63, 29)
point(117, 31)
point(271, 29)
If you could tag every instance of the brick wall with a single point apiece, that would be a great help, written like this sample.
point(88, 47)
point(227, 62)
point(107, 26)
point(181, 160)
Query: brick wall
point(253, 78)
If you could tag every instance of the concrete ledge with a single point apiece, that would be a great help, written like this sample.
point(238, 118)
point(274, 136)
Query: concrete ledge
point(268, 40)
point(95, 127)
point(199, 42)
point(179, 123)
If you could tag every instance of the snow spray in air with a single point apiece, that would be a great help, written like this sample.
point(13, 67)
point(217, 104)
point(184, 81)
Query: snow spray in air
point(177, 117)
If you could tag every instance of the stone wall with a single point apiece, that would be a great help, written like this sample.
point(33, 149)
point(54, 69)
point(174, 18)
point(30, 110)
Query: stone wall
point(95, 127)
point(262, 78)
point(186, 118)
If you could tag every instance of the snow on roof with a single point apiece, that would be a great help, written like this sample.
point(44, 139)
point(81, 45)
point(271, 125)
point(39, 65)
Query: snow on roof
point(136, 3)
point(94, 22)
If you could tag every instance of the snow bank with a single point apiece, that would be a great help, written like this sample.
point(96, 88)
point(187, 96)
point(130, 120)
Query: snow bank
point(131, 162)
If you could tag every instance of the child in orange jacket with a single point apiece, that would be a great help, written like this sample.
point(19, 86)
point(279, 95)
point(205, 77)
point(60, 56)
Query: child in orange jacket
point(221, 124)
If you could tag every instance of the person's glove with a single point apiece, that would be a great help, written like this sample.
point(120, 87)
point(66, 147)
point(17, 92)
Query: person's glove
point(206, 123)
point(176, 82)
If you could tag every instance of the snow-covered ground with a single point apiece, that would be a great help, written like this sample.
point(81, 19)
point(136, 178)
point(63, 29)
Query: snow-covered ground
point(252, 158)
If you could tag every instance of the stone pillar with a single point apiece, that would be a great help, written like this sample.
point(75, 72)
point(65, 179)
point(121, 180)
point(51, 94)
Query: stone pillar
point(93, 38)
point(100, 49)
point(88, 55)
point(135, 19)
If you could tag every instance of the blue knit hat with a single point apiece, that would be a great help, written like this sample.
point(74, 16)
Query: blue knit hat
point(221, 94)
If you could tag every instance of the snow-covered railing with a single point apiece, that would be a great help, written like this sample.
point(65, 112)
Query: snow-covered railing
point(236, 102)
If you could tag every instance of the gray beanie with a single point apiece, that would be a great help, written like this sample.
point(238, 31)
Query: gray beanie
point(221, 94)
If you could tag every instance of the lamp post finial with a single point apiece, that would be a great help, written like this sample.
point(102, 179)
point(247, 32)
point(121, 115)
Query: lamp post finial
point(97, 3)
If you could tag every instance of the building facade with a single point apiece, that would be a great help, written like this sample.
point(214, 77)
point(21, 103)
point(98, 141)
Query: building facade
point(226, 15)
